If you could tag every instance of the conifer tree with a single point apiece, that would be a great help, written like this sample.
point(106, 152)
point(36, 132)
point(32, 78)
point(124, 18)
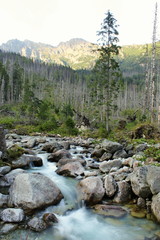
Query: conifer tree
point(107, 69)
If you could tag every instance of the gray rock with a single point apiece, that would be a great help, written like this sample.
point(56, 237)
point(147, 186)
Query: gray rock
point(37, 191)
point(66, 145)
point(55, 157)
point(8, 227)
point(5, 169)
point(91, 173)
point(141, 147)
point(72, 169)
point(153, 179)
point(110, 146)
point(128, 162)
point(106, 166)
point(120, 154)
point(124, 192)
point(93, 165)
point(8, 179)
point(64, 161)
point(155, 206)
point(105, 157)
point(91, 190)
point(110, 186)
point(51, 147)
point(141, 202)
point(26, 160)
point(3, 200)
point(120, 176)
point(12, 215)
point(37, 224)
point(97, 153)
point(41, 140)
point(32, 142)
point(139, 182)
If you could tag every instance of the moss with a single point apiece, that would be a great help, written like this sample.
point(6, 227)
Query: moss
point(15, 151)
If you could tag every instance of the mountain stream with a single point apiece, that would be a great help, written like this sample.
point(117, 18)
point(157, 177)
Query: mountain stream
point(77, 222)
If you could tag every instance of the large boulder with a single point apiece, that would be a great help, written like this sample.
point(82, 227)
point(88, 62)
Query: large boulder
point(33, 190)
point(55, 157)
point(64, 161)
point(91, 190)
point(25, 160)
point(153, 179)
point(12, 215)
point(155, 206)
point(71, 169)
point(110, 146)
point(124, 192)
point(110, 186)
point(139, 182)
point(106, 166)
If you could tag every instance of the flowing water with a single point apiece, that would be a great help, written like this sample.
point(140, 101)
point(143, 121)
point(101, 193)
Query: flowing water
point(76, 222)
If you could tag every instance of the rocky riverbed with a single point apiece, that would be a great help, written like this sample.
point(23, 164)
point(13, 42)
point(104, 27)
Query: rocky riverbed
point(109, 175)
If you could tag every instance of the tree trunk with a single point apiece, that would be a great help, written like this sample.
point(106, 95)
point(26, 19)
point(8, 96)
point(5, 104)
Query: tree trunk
point(3, 148)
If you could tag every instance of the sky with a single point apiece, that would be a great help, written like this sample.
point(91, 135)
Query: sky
point(55, 21)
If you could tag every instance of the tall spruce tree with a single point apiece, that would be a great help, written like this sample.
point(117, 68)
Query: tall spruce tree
point(108, 74)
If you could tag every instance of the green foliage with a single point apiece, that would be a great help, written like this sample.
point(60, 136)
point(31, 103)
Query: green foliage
point(48, 126)
point(153, 152)
point(67, 110)
point(25, 129)
point(68, 127)
point(7, 122)
point(14, 152)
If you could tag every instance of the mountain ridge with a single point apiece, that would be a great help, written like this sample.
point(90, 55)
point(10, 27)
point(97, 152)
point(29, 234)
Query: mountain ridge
point(76, 53)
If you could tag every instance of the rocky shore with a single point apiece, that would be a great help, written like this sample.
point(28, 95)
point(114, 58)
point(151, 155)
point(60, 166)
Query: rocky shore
point(110, 175)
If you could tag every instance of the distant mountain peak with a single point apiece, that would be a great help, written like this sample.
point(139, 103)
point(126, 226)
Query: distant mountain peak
point(72, 42)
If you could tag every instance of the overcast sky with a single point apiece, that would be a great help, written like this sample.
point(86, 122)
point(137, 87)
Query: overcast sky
point(54, 21)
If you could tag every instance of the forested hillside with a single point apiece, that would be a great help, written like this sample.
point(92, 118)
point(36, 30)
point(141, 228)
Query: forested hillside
point(36, 85)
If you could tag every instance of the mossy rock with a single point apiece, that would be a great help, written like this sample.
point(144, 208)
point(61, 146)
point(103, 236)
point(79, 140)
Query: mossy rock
point(109, 210)
point(138, 213)
point(15, 152)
